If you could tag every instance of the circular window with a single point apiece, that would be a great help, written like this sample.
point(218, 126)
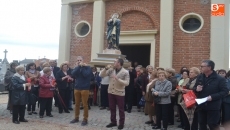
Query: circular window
point(82, 29)
point(191, 23)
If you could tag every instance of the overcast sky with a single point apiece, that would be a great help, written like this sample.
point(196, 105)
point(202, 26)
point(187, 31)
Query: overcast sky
point(29, 28)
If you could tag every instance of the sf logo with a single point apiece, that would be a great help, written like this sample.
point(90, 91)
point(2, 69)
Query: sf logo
point(217, 9)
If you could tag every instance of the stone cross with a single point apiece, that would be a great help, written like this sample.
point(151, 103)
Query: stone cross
point(5, 53)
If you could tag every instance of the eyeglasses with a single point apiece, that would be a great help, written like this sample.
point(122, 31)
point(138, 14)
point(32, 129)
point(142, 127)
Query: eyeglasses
point(79, 60)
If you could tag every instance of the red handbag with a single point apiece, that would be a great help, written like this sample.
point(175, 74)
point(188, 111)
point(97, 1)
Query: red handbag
point(189, 99)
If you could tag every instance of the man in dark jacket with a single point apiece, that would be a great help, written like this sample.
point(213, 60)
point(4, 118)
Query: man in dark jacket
point(7, 81)
point(129, 90)
point(213, 87)
point(82, 73)
point(55, 69)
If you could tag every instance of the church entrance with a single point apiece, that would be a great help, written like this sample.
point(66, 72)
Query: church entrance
point(137, 53)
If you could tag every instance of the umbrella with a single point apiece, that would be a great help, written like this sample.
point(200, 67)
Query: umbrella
point(61, 100)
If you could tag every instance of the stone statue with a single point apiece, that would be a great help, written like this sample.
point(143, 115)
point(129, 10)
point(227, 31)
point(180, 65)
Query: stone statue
point(113, 31)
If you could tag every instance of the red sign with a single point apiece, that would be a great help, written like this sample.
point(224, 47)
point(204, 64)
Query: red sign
point(217, 9)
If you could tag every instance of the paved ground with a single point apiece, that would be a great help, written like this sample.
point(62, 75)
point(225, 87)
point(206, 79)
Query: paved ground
point(98, 119)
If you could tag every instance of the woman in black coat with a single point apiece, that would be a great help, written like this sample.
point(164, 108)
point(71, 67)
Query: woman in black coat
point(63, 79)
point(7, 81)
point(19, 95)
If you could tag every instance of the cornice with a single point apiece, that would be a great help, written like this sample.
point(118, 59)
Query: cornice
point(71, 2)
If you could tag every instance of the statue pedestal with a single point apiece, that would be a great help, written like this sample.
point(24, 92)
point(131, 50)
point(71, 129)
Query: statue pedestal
point(108, 56)
point(111, 51)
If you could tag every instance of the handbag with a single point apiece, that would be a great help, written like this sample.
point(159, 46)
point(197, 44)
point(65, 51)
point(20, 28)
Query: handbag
point(156, 99)
point(189, 99)
point(142, 101)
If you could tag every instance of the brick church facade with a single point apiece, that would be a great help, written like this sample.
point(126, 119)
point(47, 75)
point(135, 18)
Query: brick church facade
point(187, 48)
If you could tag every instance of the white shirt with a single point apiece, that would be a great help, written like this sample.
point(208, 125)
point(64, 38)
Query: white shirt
point(105, 80)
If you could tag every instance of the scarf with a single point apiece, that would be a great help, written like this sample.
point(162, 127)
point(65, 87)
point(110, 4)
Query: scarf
point(150, 84)
point(32, 71)
point(22, 77)
point(190, 81)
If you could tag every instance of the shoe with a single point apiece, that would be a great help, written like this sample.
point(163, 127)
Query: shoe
point(29, 113)
point(50, 115)
point(24, 120)
point(41, 116)
point(179, 126)
point(34, 112)
point(178, 120)
point(81, 108)
point(170, 123)
point(67, 111)
point(16, 122)
point(120, 127)
point(74, 121)
point(156, 127)
point(84, 123)
point(70, 109)
point(111, 125)
point(164, 129)
point(129, 111)
point(139, 110)
point(153, 124)
point(60, 112)
point(102, 108)
point(148, 122)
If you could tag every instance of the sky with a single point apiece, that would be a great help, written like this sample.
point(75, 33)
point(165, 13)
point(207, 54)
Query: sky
point(29, 29)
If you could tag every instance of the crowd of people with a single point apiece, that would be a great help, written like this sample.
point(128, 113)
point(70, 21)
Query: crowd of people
point(155, 91)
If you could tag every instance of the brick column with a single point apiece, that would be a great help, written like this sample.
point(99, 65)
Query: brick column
point(65, 33)
point(219, 46)
point(98, 28)
point(166, 33)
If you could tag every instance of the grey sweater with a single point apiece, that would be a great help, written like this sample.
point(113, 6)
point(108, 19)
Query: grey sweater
point(164, 89)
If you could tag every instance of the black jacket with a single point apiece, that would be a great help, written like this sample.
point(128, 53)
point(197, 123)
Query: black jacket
point(227, 98)
point(131, 80)
point(62, 84)
point(55, 70)
point(19, 95)
point(214, 86)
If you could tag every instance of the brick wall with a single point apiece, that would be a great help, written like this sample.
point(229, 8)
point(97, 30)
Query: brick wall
point(81, 45)
point(190, 49)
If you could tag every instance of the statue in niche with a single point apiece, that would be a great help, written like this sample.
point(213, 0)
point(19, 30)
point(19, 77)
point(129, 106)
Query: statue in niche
point(113, 31)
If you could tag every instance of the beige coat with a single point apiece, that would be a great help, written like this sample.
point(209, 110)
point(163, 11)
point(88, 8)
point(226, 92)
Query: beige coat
point(116, 87)
point(183, 84)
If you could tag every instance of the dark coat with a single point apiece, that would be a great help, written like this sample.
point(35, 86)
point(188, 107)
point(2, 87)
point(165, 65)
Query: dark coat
point(132, 76)
point(174, 82)
point(19, 95)
point(214, 86)
point(7, 79)
point(227, 98)
point(55, 70)
point(142, 80)
point(62, 84)
point(83, 77)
